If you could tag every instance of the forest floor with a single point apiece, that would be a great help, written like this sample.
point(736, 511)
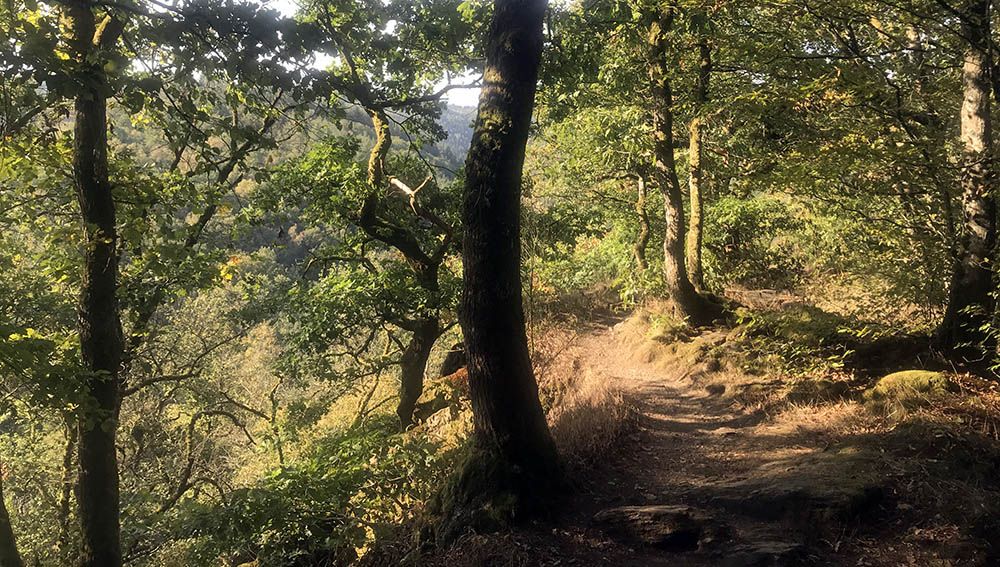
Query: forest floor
point(730, 466)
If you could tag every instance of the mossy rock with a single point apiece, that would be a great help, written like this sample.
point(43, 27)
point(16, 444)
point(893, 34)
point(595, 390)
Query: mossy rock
point(910, 384)
point(666, 328)
point(907, 390)
point(817, 391)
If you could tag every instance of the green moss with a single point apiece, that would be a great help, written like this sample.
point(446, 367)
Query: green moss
point(489, 493)
point(910, 383)
point(909, 389)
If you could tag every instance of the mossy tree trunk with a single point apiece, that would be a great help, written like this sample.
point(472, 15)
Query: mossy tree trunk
point(425, 330)
point(514, 471)
point(696, 172)
point(413, 367)
point(101, 341)
point(685, 300)
point(642, 239)
point(970, 301)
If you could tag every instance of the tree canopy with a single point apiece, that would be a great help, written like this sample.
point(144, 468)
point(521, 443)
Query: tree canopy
point(269, 295)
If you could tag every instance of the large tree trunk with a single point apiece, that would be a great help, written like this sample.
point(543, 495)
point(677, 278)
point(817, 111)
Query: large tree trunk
point(696, 179)
point(514, 473)
point(9, 557)
point(642, 239)
point(685, 300)
point(970, 301)
point(413, 366)
point(100, 326)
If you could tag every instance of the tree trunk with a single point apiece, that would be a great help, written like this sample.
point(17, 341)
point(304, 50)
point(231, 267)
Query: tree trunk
point(695, 185)
point(642, 239)
point(100, 326)
point(514, 471)
point(413, 365)
point(970, 302)
point(9, 557)
point(685, 300)
point(425, 267)
point(66, 492)
point(696, 152)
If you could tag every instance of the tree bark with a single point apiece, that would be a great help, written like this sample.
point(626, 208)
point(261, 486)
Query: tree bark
point(100, 328)
point(696, 152)
point(685, 300)
point(66, 492)
point(514, 471)
point(425, 267)
point(413, 366)
point(9, 556)
point(970, 301)
point(642, 239)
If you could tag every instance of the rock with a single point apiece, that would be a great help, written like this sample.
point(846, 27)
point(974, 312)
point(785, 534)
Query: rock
point(454, 360)
point(764, 554)
point(716, 389)
point(724, 431)
point(445, 392)
point(816, 491)
point(671, 528)
point(910, 384)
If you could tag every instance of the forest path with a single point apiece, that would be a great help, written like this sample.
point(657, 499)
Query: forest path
point(704, 480)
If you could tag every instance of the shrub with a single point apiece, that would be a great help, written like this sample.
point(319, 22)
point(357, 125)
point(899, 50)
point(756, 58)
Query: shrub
point(743, 244)
point(324, 508)
point(800, 340)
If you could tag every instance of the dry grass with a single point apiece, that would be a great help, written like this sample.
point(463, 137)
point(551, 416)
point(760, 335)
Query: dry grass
point(833, 420)
point(590, 420)
point(587, 414)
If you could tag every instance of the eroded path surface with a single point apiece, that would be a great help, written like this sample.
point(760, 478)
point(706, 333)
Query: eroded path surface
point(707, 479)
point(732, 464)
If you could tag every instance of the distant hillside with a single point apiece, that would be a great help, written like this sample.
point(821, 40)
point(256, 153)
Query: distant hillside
point(147, 145)
point(457, 121)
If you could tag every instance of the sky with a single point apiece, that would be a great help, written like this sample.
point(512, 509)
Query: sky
point(456, 97)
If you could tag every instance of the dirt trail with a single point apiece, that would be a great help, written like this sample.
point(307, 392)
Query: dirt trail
point(732, 465)
point(708, 482)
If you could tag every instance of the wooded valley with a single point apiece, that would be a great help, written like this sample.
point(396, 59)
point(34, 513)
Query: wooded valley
point(499, 282)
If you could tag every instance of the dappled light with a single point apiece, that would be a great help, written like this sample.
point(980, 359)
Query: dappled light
point(499, 283)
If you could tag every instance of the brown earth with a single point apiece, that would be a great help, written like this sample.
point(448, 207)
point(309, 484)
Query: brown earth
point(728, 467)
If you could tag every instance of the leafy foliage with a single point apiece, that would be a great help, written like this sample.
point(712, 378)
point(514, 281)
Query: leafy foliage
point(345, 492)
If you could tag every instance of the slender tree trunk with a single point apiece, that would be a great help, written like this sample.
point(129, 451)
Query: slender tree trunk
point(9, 557)
point(413, 366)
point(642, 240)
point(377, 179)
point(100, 326)
point(687, 303)
point(695, 185)
point(66, 492)
point(970, 302)
point(514, 473)
point(425, 267)
point(696, 180)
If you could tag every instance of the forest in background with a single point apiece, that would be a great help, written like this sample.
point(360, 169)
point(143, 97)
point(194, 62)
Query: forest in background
point(246, 258)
